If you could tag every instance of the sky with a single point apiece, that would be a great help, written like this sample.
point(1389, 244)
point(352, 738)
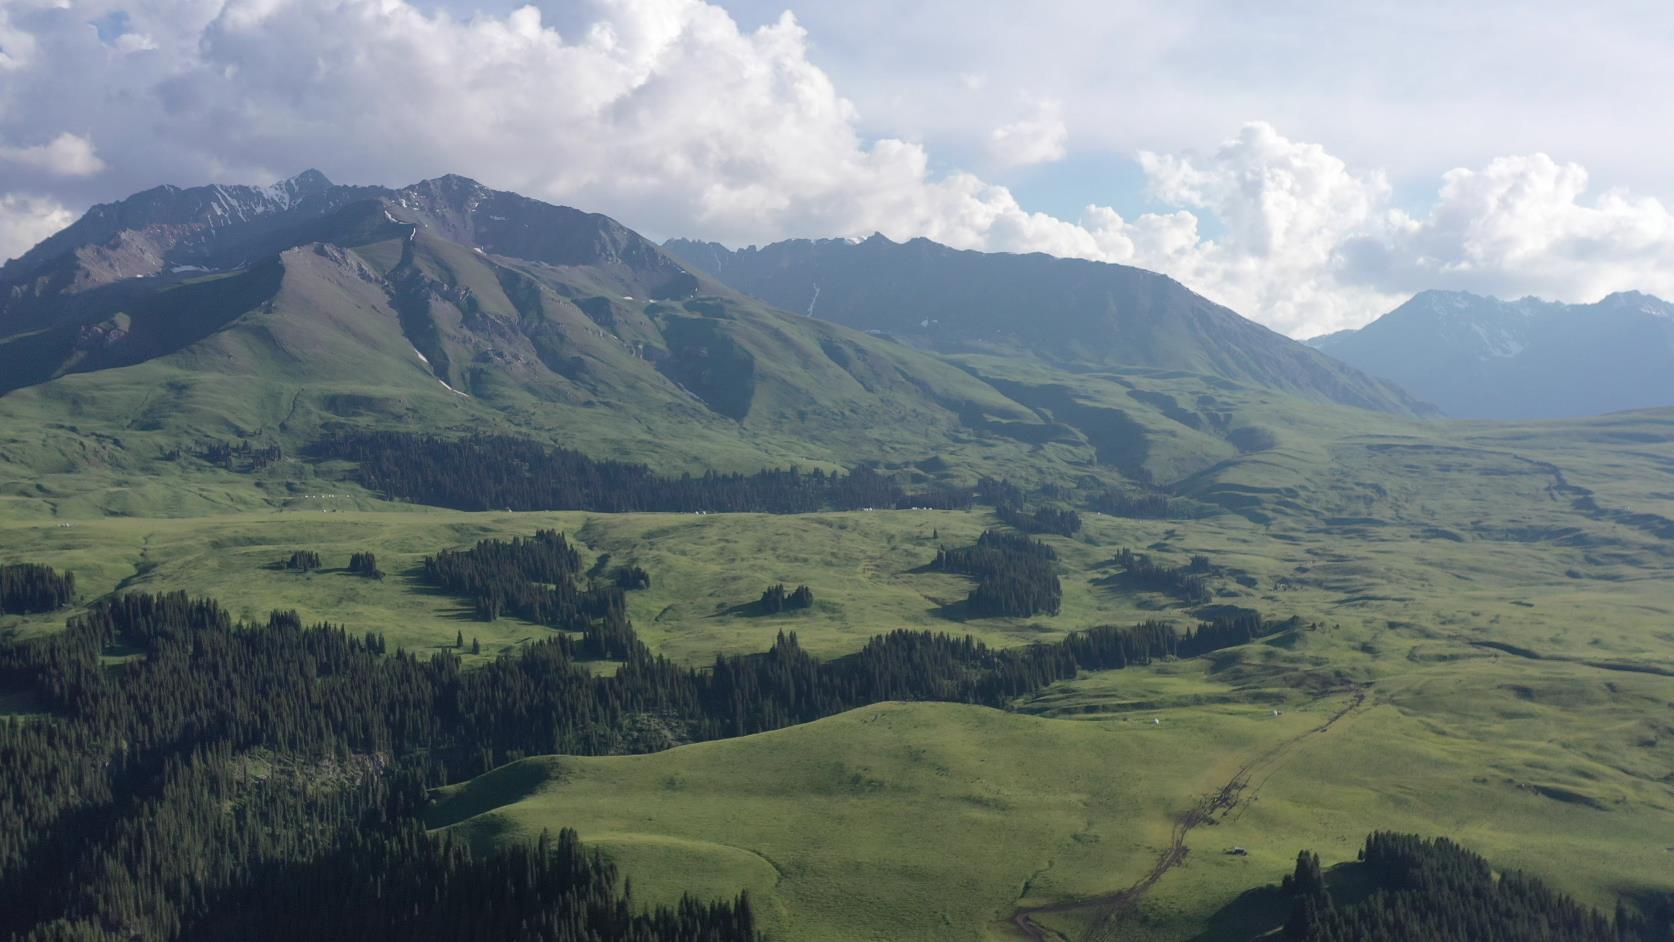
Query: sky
point(1309, 165)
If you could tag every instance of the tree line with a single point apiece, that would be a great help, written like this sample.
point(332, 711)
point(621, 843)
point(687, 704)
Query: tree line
point(30, 588)
point(403, 886)
point(242, 456)
point(498, 472)
point(1059, 520)
point(1145, 505)
point(1438, 890)
point(1017, 576)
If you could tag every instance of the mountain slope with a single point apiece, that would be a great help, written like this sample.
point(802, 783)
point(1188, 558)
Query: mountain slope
point(449, 307)
point(1071, 313)
point(1480, 357)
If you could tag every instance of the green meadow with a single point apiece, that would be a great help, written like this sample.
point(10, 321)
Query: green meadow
point(1498, 597)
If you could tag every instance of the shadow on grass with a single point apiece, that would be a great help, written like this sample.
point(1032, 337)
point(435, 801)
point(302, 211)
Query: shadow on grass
point(493, 789)
point(412, 580)
point(1254, 914)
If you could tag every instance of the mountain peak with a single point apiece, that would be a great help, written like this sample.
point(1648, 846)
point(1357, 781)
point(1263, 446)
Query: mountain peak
point(1616, 298)
point(1442, 298)
point(308, 181)
point(449, 183)
point(1486, 358)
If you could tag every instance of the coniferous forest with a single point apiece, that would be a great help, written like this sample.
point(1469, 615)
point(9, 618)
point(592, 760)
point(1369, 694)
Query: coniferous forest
point(505, 473)
point(1057, 520)
point(1437, 890)
point(133, 805)
point(1016, 576)
point(27, 588)
point(1188, 583)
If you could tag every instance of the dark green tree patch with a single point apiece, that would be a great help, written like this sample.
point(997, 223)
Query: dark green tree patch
point(1438, 890)
point(303, 561)
point(1016, 576)
point(30, 588)
point(365, 564)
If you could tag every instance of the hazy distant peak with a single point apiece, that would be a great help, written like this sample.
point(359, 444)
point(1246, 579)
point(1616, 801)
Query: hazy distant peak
point(1483, 357)
point(308, 181)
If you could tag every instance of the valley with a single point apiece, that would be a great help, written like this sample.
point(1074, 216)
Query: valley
point(1347, 614)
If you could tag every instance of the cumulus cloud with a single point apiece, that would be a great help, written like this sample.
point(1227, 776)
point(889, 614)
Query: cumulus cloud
point(1312, 246)
point(1040, 138)
point(26, 220)
point(1523, 225)
point(66, 155)
point(669, 116)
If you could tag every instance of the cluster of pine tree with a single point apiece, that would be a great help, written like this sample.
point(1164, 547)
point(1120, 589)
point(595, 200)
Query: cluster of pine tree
point(533, 579)
point(500, 472)
point(365, 564)
point(131, 808)
point(27, 588)
point(303, 561)
point(1042, 520)
point(776, 599)
point(999, 492)
point(1437, 890)
point(1016, 576)
point(629, 578)
point(1188, 583)
point(404, 885)
point(242, 456)
point(1145, 505)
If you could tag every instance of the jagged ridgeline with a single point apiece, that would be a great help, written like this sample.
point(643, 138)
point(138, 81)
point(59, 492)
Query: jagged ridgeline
point(114, 798)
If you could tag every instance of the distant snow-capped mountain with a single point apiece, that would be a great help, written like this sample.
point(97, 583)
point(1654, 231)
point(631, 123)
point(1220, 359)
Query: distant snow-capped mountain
point(1481, 357)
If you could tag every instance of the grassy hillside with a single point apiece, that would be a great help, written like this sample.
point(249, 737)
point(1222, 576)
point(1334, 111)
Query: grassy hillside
point(1073, 313)
point(937, 821)
point(898, 821)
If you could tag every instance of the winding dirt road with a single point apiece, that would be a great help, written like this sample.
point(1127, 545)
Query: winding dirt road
point(1111, 906)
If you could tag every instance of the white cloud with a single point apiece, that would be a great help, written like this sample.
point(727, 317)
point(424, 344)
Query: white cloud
point(26, 220)
point(1040, 138)
point(669, 116)
point(66, 155)
point(1524, 225)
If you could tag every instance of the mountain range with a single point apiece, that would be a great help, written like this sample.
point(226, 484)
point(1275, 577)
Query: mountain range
point(1071, 313)
point(225, 310)
point(285, 312)
point(1483, 358)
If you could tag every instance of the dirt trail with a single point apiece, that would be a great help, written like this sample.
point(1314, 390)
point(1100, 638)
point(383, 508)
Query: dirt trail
point(1112, 906)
